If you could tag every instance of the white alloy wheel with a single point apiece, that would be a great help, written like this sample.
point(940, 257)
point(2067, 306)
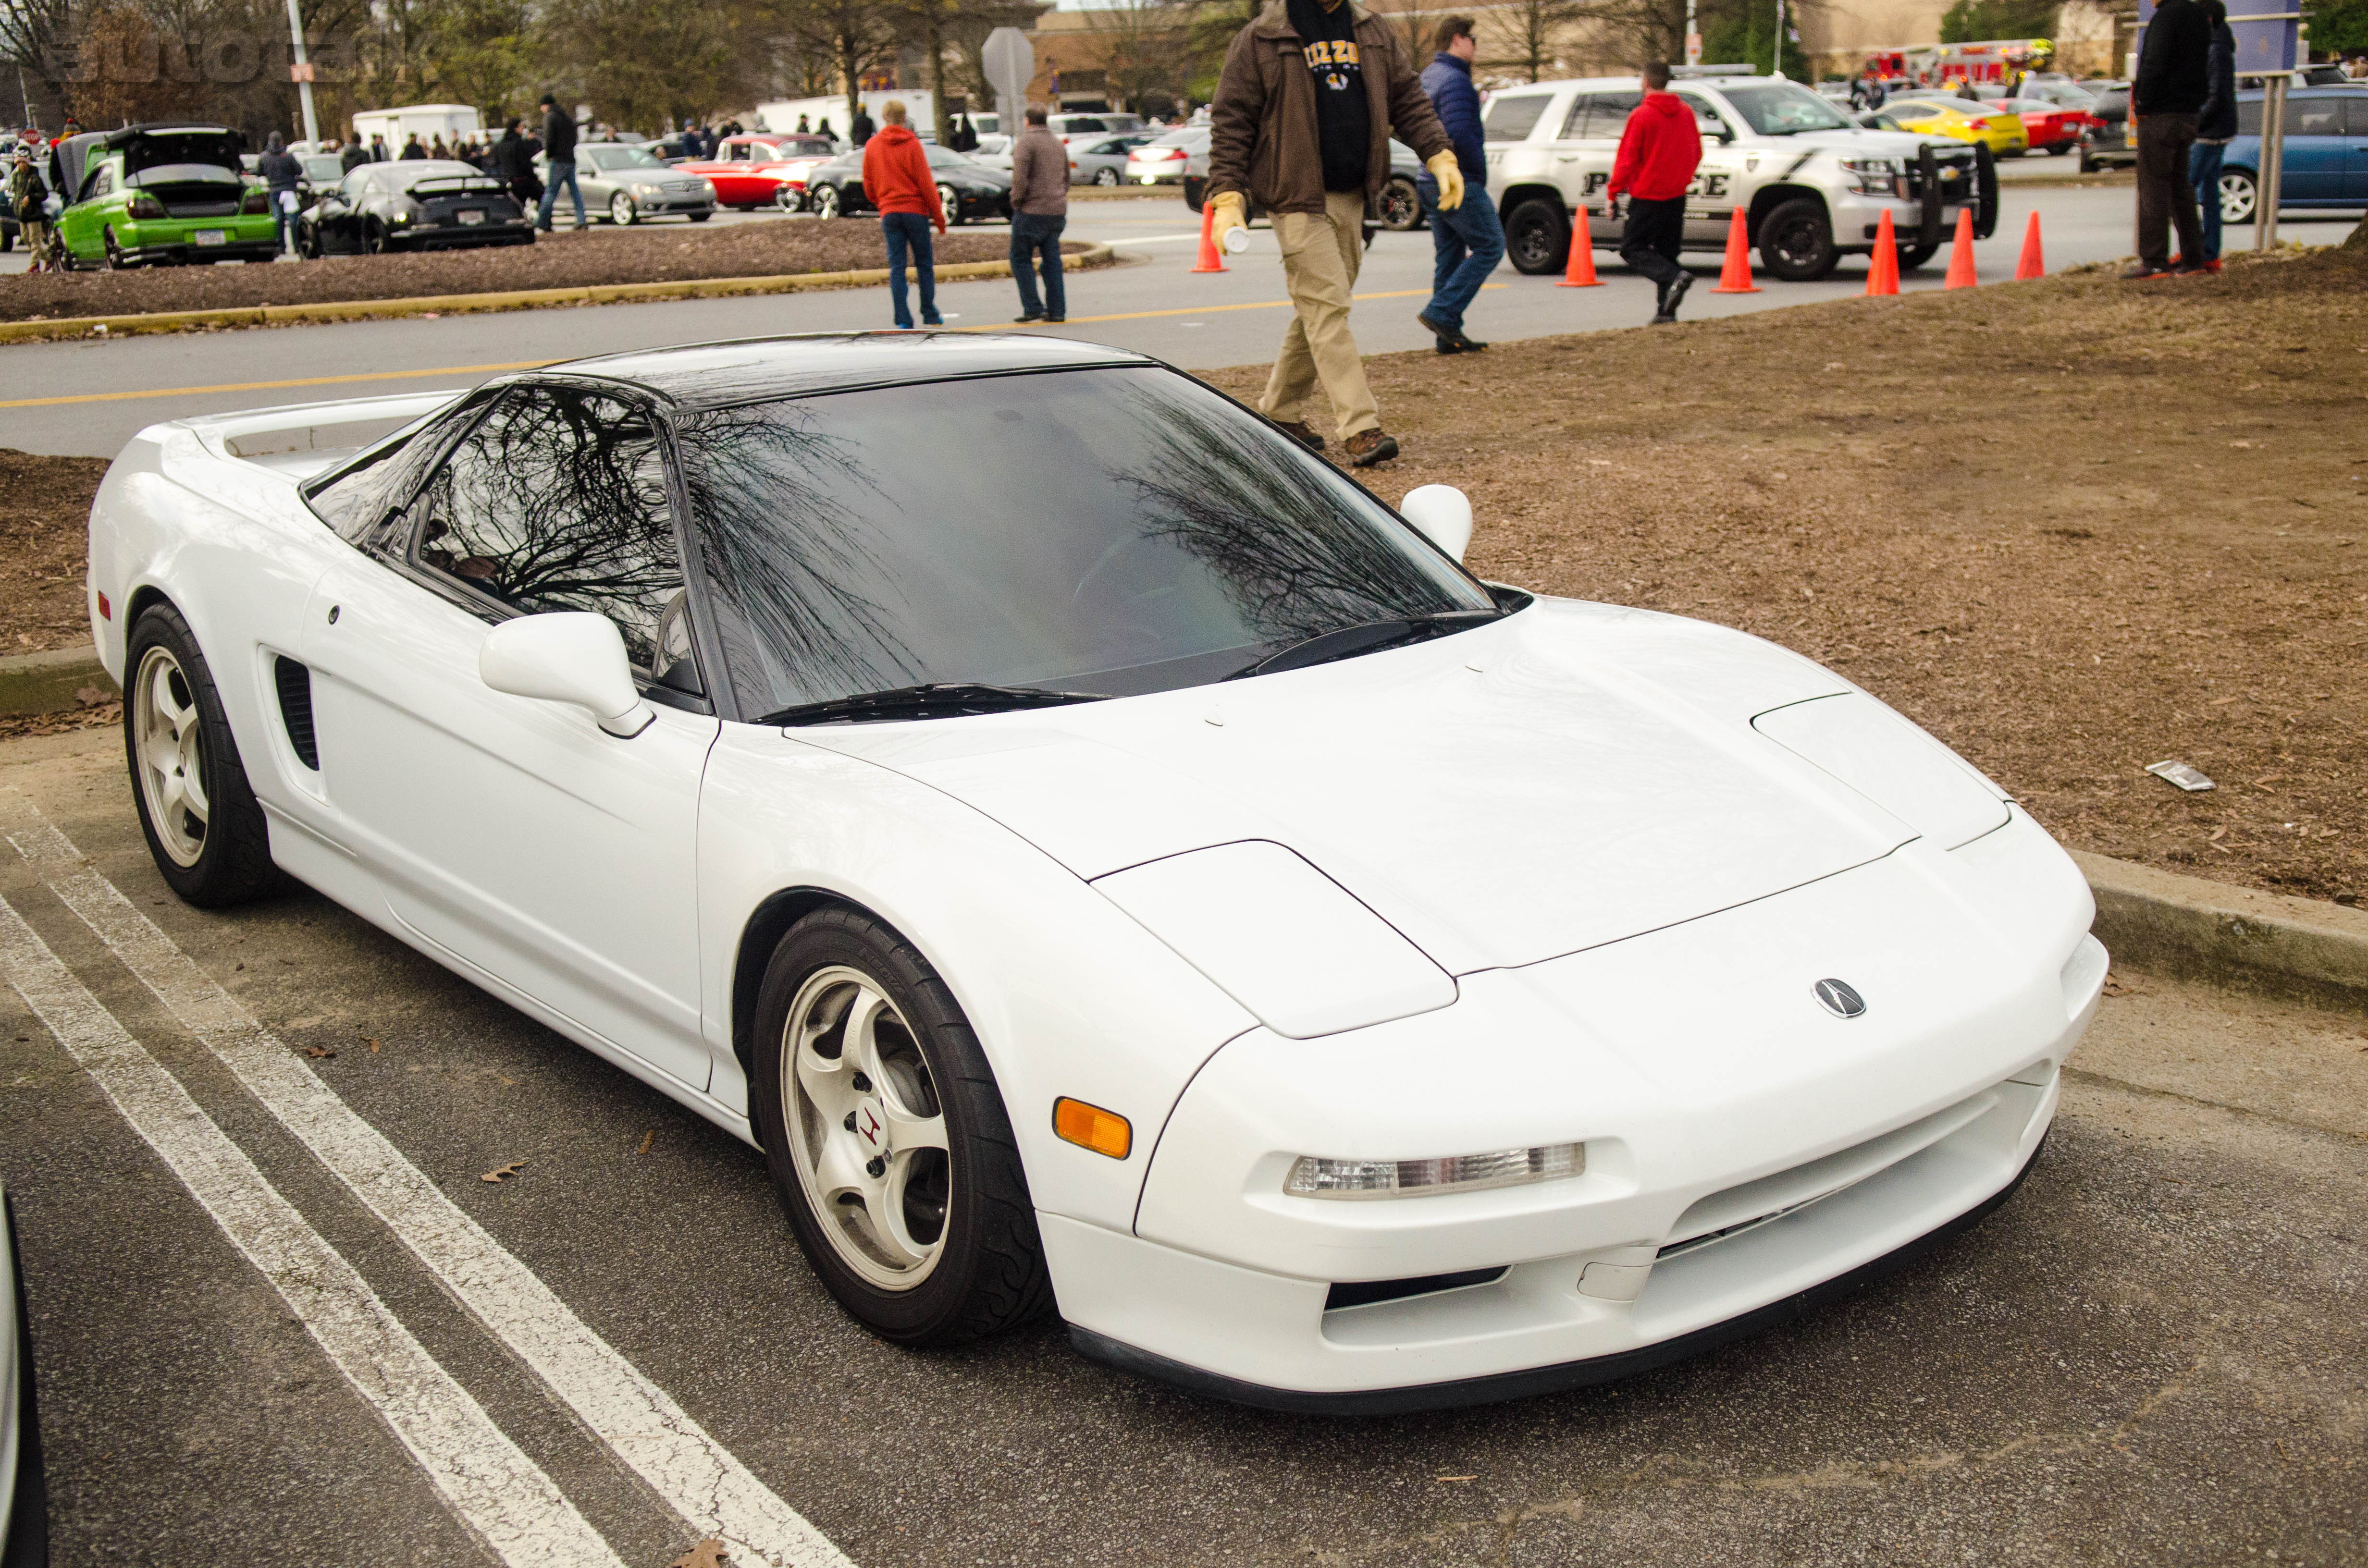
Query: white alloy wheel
point(825, 201)
point(2237, 197)
point(621, 210)
point(1106, 176)
point(867, 1130)
point(170, 741)
point(951, 201)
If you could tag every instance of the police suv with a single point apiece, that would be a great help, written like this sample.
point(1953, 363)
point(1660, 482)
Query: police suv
point(1812, 185)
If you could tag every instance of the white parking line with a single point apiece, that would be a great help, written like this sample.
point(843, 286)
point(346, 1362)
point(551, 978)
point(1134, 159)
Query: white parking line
point(498, 1492)
point(697, 1476)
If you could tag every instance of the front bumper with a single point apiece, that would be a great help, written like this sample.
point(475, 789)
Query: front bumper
point(1743, 1148)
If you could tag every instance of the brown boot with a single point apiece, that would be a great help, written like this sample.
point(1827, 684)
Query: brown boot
point(1298, 431)
point(1367, 447)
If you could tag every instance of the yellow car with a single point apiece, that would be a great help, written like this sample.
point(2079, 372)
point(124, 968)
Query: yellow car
point(1962, 121)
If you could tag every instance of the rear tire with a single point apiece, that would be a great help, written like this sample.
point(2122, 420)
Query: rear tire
point(1401, 206)
point(950, 200)
point(196, 810)
point(1796, 241)
point(1537, 236)
point(825, 201)
point(960, 1257)
point(2238, 196)
point(1106, 178)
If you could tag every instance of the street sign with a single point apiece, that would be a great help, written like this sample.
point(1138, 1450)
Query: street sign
point(1011, 62)
point(2267, 33)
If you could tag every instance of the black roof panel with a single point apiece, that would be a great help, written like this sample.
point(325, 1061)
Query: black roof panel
point(706, 374)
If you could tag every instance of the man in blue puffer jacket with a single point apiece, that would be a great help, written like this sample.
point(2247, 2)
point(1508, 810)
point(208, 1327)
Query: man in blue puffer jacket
point(1468, 240)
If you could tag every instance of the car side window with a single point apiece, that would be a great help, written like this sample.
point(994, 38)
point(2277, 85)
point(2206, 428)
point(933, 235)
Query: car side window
point(1511, 118)
point(1607, 115)
point(102, 182)
point(557, 500)
point(1706, 119)
point(2315, 116)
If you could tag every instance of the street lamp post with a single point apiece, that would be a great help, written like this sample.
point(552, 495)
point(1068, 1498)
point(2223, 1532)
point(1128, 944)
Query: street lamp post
point(301, 70)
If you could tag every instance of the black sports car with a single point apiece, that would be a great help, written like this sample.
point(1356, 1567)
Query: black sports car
point(969, 190)
point(423, 204)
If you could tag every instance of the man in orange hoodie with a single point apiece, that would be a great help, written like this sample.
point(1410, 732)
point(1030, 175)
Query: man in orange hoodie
point(1659, 151)
point(896, 180)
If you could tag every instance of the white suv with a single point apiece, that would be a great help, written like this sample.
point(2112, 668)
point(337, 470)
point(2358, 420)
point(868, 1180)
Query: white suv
point(1812, 185)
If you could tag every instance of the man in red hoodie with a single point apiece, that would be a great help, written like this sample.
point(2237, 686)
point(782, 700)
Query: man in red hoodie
point(1658, 154)
point(897, 181)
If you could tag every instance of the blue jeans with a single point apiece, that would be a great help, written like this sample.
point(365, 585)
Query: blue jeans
point(910, 231)
point(1036, 242)
point(2203, 173)
point(559, 174)
point(1468, 242)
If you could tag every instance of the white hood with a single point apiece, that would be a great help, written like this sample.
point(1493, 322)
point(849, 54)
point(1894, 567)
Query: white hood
point(1594, 777)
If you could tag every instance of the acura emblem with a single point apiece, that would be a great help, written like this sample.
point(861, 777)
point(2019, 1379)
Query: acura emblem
point(1840, 999)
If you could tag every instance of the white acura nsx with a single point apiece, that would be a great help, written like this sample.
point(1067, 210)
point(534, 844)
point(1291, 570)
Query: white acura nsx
point(1105, 859)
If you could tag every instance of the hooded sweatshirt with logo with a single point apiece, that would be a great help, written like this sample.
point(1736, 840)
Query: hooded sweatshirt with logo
point(1660, 150)
point(897, 175)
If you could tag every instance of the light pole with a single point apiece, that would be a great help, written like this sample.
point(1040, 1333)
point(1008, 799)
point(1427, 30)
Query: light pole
point(301, 70)
point(1693, 37)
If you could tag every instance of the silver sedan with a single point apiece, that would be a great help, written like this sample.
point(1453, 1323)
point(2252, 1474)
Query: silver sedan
point(630, 184)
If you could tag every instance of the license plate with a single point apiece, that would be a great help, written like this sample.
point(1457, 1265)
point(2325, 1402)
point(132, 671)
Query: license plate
point(212, 237)
point(472, 215)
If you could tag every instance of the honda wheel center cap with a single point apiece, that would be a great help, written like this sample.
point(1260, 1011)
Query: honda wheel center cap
point(871, 1127)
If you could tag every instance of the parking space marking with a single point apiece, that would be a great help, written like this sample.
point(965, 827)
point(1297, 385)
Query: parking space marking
point(498, 1491)
point(696, 1475)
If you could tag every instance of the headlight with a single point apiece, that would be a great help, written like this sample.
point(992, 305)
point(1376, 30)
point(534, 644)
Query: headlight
point(644, 188)
point(1281, 937)
point(1891, 762)
point(1872, 177)
point(1314, 1178)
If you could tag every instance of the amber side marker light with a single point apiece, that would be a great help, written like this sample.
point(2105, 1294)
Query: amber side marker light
point(1091, 1126)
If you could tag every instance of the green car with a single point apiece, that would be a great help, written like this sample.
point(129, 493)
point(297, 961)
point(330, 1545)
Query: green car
point(152, 195)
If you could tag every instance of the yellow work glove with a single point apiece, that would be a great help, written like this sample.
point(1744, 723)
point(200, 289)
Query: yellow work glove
point(1451, 180)
point(1230, 215)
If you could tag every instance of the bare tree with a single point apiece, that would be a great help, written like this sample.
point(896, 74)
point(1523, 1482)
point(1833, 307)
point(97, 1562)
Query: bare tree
point(1146, 48)
point(1536, 23)
point(857, 36)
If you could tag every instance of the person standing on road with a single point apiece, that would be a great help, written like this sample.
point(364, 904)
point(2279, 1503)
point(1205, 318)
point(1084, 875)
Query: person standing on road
point(377, 148)
point(896, 180)
point(281, 177)
point(514, 162)
point(2174, 78)
point(2216, 127)
point(559, 157)
point(1660, 150)
point(27, 202)
point(1469, 240)
point(1301, 124)
point(1039, 211)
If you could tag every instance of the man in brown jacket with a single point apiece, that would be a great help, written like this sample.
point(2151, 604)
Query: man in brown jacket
point(1305, 106)
point(1039, 211)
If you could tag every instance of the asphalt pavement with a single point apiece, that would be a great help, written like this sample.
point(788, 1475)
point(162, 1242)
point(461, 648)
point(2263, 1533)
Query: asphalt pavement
point(272, 1296)
point(89, 397)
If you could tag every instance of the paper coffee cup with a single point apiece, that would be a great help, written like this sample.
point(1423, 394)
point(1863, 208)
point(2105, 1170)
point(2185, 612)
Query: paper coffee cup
point(1238, 240)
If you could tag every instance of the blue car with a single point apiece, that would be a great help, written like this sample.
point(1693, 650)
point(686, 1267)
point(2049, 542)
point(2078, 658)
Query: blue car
point(2326, 162)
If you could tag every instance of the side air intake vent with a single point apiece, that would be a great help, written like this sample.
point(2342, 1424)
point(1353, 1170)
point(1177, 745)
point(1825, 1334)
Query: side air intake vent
point(296, 710)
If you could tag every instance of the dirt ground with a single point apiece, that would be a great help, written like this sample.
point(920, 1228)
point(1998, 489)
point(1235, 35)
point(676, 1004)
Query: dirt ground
point(644, 253)
point(2073, 527)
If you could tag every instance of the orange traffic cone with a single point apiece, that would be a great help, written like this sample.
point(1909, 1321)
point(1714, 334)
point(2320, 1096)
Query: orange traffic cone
point(1209, 260)
point(1883, 267)
point(1734, 278)
point(1580, 273)
point(2035, 261)
point(1961, 255)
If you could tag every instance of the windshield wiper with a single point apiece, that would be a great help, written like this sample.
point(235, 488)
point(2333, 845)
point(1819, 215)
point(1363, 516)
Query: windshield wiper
point(1365, 637)
point(935, 700)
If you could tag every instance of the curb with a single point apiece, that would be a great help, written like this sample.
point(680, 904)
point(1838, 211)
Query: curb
point(51, 683)
point(2229, 936)
point(509, 299)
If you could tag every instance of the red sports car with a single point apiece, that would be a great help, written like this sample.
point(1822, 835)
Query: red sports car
point(761, 170)
point(2053, 129)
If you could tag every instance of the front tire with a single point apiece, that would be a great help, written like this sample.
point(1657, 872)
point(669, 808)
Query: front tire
point(888, 1141)
point(1913, 256)
point(622, 212)
point(825, 201)
point(1537, 236)
point(1401, 206)
point(196, 810)
point(1796, 241)
point(949, 201)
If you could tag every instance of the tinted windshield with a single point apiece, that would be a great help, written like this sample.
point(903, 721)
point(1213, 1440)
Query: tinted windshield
point(183, 173)
point(1783, 108)
point(1114, 531)
point(945, 157)
point(623, 158)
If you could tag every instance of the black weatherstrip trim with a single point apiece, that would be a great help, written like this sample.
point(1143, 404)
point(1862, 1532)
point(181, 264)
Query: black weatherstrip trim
point(1537, 1380)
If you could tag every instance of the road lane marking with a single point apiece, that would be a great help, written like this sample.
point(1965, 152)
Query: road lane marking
point(276, 386)
point(1199, 309)
point(498, 1492)
point(697, 1476)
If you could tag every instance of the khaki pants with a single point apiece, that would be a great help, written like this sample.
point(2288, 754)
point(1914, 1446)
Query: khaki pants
point(1320, 258)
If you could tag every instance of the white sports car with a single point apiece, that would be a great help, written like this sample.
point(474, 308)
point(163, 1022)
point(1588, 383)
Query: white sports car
point(1107, 860)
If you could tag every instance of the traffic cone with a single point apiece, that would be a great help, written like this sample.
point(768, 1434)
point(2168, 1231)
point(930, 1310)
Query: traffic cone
point(1734, 278)
point(2035, 261)
point(1961, 255)
point(1209, 260)
point(1883, 267)
point(1580, 273)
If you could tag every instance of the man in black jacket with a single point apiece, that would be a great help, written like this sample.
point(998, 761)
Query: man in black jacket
point(2174, 78)
point(2216, 127)
point(559, 158)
